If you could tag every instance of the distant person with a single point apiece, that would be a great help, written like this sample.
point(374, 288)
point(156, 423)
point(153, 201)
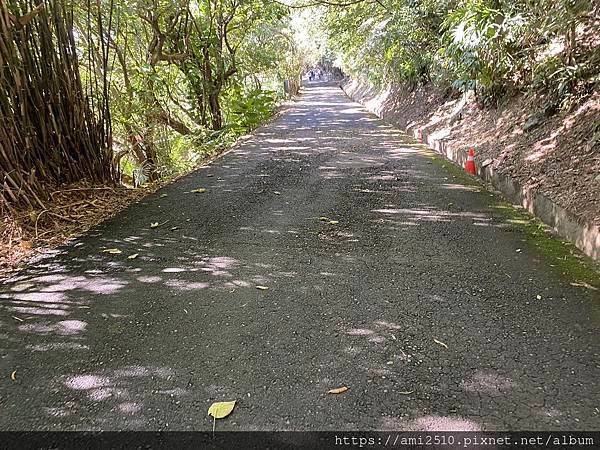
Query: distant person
point(311, 76)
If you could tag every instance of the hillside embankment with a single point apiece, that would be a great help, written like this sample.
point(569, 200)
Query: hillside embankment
point(546, 161)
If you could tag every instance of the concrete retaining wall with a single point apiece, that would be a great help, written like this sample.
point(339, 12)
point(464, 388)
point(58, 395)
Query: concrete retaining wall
point(586, 236)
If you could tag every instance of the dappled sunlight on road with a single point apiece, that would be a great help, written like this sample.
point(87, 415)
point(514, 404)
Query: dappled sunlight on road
point(430, 423)
point(328, 249)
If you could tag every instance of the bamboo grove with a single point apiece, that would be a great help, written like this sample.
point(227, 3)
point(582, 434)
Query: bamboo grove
point(53, 130)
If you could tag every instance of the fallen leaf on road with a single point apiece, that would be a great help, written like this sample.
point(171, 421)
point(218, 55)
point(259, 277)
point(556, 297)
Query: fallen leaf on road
point(324, 219)
point(156, 224)
point(219, 410)
point(174, 228)
point(585, 285)
point(440, 343)
point(338, 390)
point(163, 195)
point(539, 297)
point(16, 318)
point(405, 392)
point(13, 376)
point(135, 255)
point(333, 222)
point(276, 192)
point(199, 190)
point(112, 251)
point(262, 288)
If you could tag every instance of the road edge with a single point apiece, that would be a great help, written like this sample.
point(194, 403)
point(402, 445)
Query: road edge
point(583, 234)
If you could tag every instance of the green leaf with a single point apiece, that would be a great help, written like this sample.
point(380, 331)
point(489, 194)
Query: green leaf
point(219, 410)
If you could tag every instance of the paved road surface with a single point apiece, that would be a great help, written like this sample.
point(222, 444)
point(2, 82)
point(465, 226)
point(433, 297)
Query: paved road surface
point(107, 342)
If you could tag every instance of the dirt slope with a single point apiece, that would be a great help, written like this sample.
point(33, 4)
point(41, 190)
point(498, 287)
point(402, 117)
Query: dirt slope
point(560, 157)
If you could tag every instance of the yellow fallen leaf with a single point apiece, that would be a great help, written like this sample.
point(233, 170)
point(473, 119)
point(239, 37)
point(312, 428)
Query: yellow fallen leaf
point(135, 255)
point(338, 390)
point(333, 222)
point(13, 376)
point(154, 225)
point(163, 195)
point(441, 343)
point(262, 288)
point(199, 190)
point(324, 219)
point(219, 410)
point(112, 251)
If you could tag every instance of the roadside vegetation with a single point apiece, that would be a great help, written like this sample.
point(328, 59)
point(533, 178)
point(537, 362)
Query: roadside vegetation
point(491, 47)
point(95, 96)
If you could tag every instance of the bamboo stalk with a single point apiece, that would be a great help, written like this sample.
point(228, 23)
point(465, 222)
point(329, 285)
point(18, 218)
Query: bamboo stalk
point(53, 131)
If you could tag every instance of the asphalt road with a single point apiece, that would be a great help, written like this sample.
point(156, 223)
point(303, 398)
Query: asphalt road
point(413, 292)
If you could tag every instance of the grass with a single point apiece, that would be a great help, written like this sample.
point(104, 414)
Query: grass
point(562, 256)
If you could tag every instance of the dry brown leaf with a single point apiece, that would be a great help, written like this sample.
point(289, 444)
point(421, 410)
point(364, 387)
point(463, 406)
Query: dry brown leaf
point(13, 376)
point(339, 390)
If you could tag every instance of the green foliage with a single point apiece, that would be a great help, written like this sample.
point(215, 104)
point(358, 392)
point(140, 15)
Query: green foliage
point(249, 110)
point(186, 77)
point(490, 46)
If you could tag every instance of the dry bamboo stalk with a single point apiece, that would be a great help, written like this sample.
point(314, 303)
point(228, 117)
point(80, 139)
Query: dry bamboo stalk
point(52, 131)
